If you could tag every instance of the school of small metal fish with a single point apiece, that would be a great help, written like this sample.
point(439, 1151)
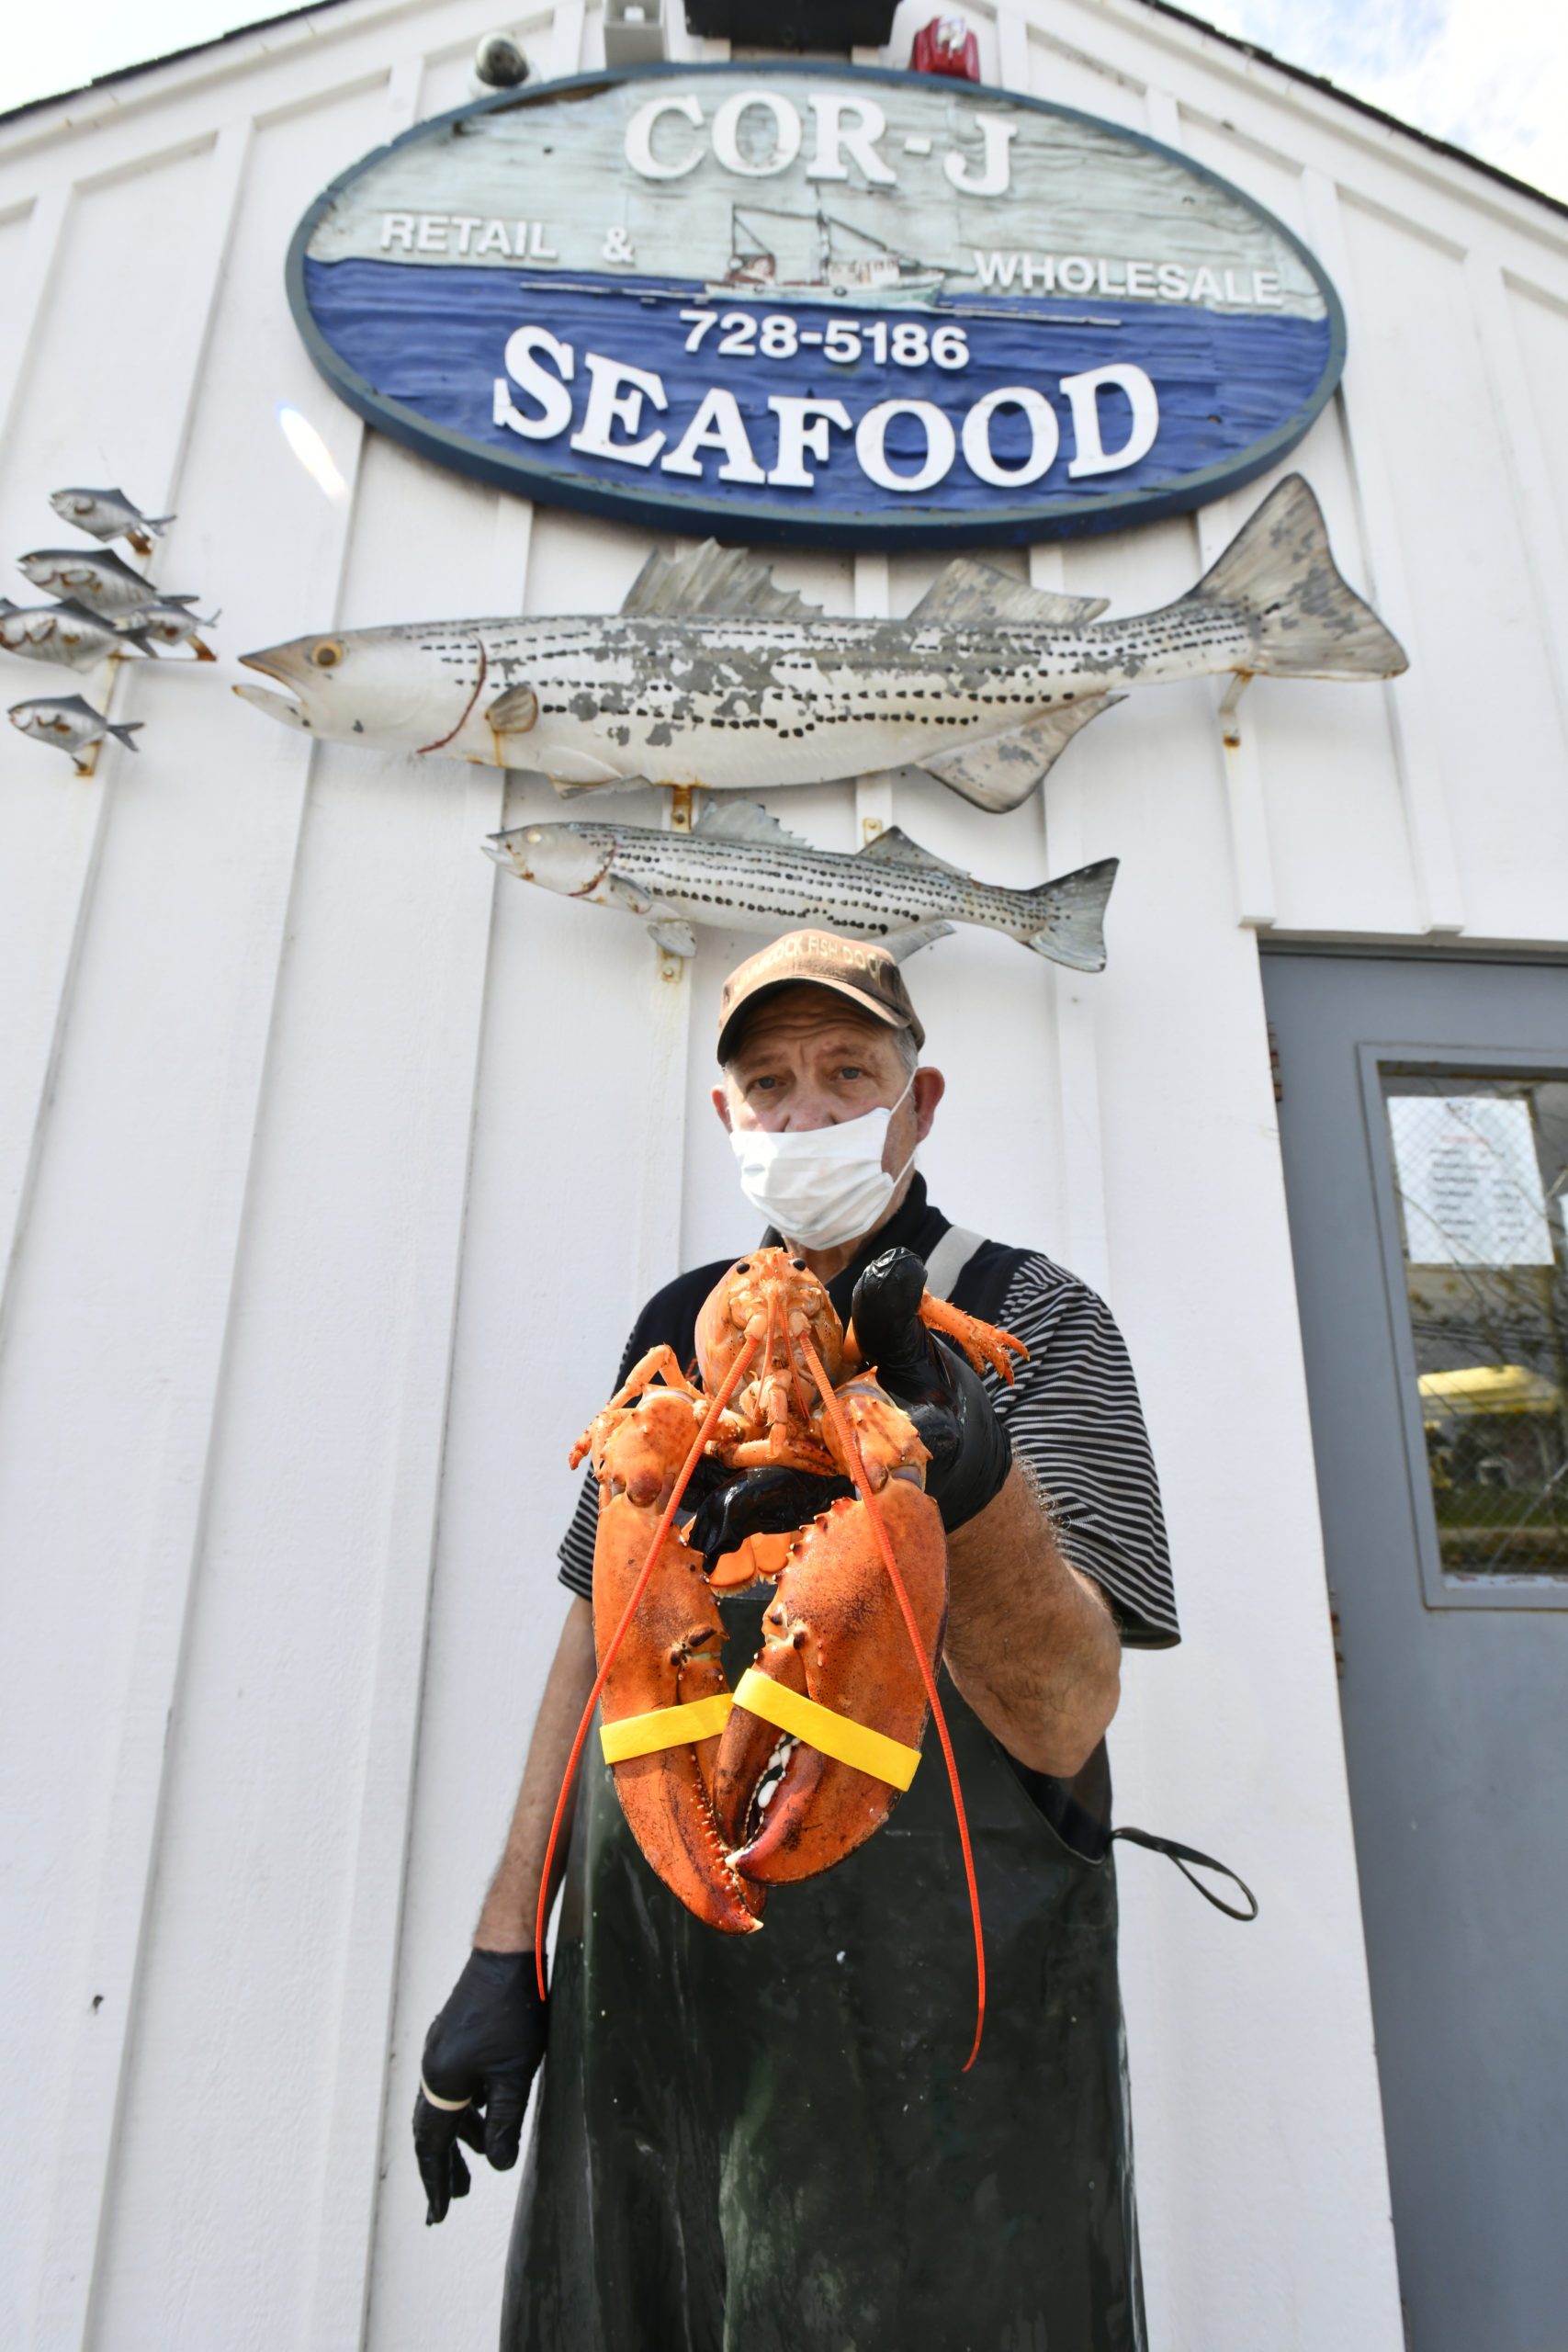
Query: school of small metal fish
point(108, 514)
point(739, 867)
point(106, 611)
point(95, 577)
point(169, 621)
point(711, 675)
point(68, 723)
point(67, 634)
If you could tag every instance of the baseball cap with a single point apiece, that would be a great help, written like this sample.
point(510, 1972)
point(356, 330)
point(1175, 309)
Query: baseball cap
point(857, 968)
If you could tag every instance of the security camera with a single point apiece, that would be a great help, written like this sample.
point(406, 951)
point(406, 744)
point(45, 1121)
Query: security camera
point(499, 62)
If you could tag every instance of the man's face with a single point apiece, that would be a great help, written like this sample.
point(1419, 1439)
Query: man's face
point(807, 1059)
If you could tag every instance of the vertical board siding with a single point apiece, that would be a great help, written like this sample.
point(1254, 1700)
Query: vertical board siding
point(191, 899)
point(1213, 1739)
point(1540, 523)
point(1062, 71)
point(1540, 326)
point(98, 1356)
point(1373, 424)
point(334, 1165)
point(45, 939)
point(1479, 619)
point(31, 241)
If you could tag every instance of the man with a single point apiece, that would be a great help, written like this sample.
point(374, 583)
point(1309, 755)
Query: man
point(767, 2142)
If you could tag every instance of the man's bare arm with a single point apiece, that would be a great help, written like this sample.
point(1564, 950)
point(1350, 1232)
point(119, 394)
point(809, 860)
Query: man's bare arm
point(1031, 1643)
point(506, 1923)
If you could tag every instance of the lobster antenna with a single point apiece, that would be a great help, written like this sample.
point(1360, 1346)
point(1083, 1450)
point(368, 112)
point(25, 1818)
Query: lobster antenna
point(857, 1470)
point(672, 1507)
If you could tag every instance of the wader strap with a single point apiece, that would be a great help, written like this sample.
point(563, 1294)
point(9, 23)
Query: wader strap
point(948, 1259)
point(1181, 1855)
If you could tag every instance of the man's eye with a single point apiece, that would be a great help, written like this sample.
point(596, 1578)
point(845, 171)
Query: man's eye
point(852, 1070)
point(758, 1083)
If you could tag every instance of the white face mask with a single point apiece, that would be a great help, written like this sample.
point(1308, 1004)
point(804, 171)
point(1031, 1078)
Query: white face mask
point(824, 1185)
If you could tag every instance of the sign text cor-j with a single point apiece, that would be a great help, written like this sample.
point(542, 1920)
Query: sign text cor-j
point(809, 303)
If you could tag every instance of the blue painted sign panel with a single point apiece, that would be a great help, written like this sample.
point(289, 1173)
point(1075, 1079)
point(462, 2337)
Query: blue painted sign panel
point(816, 304)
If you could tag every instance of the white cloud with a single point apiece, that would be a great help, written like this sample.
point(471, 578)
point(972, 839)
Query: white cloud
point(1492, 76)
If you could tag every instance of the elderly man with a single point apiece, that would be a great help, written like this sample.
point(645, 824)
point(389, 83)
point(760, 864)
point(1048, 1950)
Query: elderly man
point(767, 2142)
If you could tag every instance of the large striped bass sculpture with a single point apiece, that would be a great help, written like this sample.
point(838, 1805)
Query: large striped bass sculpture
point(711, 675)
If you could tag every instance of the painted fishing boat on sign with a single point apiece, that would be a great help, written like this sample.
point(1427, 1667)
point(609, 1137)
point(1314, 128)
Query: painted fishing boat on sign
point(711, 675)
point(793, 303)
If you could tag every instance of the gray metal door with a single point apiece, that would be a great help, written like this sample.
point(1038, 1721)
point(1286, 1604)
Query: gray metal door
point(1425, 1123)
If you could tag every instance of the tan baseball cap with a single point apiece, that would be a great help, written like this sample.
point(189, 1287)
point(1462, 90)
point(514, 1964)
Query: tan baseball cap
point(856, 968)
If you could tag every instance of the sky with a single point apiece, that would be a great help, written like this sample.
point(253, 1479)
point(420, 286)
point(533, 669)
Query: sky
point(1492, 76)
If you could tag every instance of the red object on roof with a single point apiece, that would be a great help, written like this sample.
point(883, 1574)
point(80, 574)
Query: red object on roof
point(947, 46)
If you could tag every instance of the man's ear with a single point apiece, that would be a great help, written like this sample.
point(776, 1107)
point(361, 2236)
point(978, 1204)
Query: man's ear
point(929, 1088)
point(721, 1104)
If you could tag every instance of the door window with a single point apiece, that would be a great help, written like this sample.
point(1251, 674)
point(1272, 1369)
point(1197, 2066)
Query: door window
point(1478, 1169)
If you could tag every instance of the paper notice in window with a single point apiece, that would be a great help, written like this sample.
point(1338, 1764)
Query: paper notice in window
point(1469, 1181)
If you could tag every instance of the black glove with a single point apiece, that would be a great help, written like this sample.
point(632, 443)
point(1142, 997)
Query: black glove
point(971, 1456)
point(774, 1501)
point(483, 2048)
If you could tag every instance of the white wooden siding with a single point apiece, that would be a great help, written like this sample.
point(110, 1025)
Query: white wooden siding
point(332, 1168)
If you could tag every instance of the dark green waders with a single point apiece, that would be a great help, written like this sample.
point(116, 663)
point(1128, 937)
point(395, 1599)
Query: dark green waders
point(765, 2143)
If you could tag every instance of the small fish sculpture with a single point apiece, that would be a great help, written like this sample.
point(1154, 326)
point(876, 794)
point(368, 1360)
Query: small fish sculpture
point(739, 867)
point(67, 634)
point(710, 675)
point(168, 622)
point(104, 582)
point(69, 724)
point(109, 514)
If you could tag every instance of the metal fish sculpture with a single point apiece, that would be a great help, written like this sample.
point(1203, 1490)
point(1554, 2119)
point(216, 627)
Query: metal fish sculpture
point(709, 675)
point(168, 623)
point(104, 582)
point(67, 634)
point(69, 724)
point(109, 514)
point(740, 868)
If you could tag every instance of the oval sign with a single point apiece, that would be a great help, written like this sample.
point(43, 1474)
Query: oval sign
point(800, 302)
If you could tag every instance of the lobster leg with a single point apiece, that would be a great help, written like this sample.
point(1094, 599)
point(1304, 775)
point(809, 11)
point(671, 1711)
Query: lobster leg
point(658, 1361)
point(983, 1343)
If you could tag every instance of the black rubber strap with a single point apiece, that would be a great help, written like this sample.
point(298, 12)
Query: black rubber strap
point(1181, 1855)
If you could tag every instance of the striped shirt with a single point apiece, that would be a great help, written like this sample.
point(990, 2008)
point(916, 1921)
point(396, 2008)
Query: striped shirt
point(1072, 1413)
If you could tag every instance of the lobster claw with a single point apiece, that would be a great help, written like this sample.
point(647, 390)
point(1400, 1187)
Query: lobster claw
point(834, 1635)
point(670, 1658)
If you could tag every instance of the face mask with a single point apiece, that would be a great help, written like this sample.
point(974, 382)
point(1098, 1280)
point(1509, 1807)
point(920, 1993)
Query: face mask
point(823, 1186)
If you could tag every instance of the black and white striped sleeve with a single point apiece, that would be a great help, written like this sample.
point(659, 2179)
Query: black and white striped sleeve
point(1074, 1416)
point(576, 1550)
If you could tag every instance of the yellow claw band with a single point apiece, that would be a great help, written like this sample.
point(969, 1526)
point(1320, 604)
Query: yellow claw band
point(665, 1728)
point(845, 1741)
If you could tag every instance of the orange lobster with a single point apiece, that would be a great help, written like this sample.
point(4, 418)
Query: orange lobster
point(728, 1793)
